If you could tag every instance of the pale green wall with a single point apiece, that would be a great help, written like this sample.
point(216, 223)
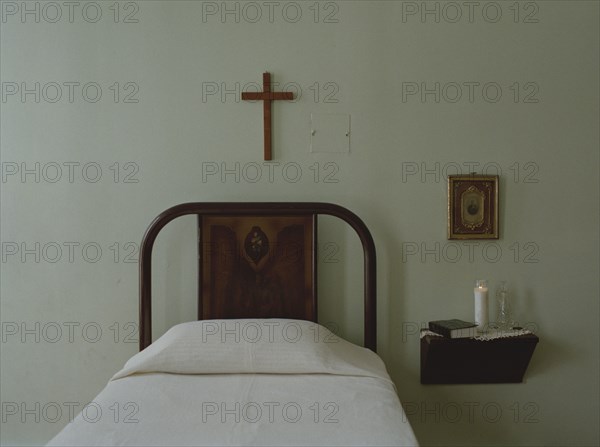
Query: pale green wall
point(547, 151)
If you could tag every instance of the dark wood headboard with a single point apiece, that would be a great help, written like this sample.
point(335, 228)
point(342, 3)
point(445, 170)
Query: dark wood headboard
point(245, 229)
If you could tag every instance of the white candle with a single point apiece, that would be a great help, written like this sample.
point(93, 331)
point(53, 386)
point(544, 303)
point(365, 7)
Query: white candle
point(481, 304)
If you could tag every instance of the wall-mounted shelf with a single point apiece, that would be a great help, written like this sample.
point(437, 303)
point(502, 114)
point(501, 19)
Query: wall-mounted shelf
point(466, 360)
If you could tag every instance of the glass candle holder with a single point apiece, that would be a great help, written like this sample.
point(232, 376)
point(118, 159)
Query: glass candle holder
point(504, 320)
point(481, 304)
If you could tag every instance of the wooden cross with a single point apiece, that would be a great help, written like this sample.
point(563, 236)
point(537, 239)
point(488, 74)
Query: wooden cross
point(267, 96)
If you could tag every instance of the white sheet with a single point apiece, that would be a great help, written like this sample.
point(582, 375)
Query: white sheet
point(246, 382)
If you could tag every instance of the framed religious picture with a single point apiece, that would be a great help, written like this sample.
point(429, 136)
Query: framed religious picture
point(473, 207)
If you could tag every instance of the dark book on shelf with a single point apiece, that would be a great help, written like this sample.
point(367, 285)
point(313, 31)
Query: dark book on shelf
point(453, 328)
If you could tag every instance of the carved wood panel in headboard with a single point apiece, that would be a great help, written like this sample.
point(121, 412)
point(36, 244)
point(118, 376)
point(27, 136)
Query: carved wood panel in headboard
point(257, 267)
point(240, 278)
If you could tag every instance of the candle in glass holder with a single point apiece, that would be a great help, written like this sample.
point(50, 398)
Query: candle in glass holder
point(481, 304)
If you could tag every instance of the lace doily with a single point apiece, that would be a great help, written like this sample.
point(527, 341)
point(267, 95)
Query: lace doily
point(492, 334)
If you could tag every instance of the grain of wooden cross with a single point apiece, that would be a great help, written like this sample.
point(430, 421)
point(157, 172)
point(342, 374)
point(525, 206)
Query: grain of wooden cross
point(267, 96)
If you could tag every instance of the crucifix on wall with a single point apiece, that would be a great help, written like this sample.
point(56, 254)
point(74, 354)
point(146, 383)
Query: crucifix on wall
point(267, 96)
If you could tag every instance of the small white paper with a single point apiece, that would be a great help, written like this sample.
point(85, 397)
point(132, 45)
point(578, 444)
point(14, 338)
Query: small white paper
point(330, 132)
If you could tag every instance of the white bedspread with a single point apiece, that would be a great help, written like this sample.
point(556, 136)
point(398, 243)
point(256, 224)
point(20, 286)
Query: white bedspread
point(246, 382)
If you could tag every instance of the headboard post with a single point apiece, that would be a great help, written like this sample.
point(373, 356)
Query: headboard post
point(259, 209)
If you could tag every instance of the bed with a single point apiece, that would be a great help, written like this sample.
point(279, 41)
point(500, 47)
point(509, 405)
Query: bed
point(256, 368)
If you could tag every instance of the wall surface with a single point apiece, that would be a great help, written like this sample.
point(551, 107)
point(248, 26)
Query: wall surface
point(112, 112)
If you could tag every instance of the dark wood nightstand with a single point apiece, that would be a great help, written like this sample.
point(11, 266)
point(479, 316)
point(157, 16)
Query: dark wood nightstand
point(466, 360)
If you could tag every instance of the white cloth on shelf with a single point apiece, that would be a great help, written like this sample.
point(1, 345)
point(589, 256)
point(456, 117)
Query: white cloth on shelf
point(492, 334)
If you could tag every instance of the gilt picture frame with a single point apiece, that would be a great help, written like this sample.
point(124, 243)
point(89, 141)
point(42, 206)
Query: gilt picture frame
point(473, 206)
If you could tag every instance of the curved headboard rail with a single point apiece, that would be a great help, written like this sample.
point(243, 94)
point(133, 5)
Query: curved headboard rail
point(259, 209)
